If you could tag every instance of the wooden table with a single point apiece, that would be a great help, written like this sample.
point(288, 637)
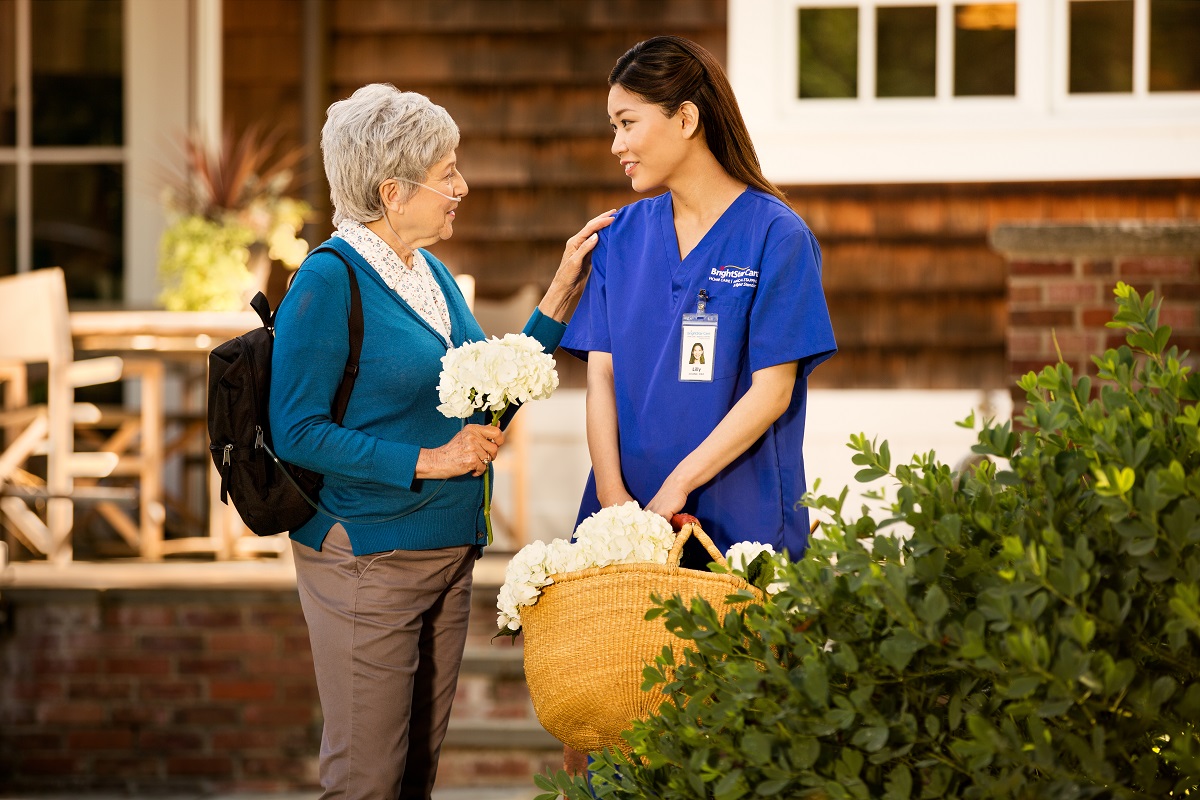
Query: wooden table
point(151, 342)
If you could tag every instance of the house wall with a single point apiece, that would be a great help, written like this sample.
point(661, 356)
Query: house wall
point(916, 294)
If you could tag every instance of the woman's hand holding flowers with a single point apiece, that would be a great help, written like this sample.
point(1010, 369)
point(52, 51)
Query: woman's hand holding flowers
point(470, 451)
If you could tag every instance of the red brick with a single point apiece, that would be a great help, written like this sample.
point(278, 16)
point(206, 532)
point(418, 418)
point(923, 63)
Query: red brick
point(211, 666)
point(241, 690)
point(246, 739)
point(1157, 265)
point(1096, 317)
point(125, 766)
point(1046, 268)
point(1024, 295)
point(106, 739)
point(104, 642)
point(279, 715)
point(159, 643)
point(1174, 292)
point(298, 644)
point(165, 690)
point(66, 665)
point(272, 619)
point(293, 667)
point(170, 741)
point(1097, 268)
point(48, 765)
point(51, 713)
point(142, 714)
point(214, 766)
point(34, 690)
point(206, 715)
point(144, 665)
point(1179, 316)
point(1022, 345)
point(209, 617)
point(241, 643)
point(1074, 344)
point(1040, 318)
point(140, 616)
point(30, 741)
point(299, 691)
point(1075, 293)
point(106, 689)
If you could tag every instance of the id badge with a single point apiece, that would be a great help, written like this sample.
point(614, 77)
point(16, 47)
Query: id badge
point(698, 352)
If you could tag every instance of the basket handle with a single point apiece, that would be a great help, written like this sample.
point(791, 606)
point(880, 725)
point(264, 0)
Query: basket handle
point(688, 526)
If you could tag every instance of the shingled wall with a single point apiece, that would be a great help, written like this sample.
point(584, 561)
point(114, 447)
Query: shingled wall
point(917, 296)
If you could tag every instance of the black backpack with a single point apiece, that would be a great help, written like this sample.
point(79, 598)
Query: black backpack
point(270, 495)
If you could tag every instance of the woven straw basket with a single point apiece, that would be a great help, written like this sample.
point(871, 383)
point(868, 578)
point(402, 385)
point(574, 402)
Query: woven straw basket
point(587, 640)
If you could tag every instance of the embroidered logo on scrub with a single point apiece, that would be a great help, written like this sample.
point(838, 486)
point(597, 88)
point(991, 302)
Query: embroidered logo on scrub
point(735, 276)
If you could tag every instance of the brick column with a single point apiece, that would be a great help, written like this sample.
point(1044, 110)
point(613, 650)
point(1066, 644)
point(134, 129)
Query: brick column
point(1060, 282)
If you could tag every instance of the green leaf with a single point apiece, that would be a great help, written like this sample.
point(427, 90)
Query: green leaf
point(871, 739)
point(899, 784)
point(900, 648)
point(935, 604)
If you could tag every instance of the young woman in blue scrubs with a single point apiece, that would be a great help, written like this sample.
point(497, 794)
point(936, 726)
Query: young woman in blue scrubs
point(719, 259)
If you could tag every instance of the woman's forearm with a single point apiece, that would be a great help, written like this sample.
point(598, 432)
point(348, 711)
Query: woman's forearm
point(769, 395)
point(603, 436)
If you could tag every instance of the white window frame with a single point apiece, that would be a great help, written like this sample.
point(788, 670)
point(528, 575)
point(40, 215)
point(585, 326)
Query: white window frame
point(172, 83)
point(1043, 133)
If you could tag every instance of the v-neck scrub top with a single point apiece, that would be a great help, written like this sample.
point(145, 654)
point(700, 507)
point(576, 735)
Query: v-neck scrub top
point(761, 267)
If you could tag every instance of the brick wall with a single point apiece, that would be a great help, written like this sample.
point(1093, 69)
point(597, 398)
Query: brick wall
point(1060, 282)
point(155, 691)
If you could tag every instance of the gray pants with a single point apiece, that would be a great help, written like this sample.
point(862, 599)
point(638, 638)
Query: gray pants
point(387, 633)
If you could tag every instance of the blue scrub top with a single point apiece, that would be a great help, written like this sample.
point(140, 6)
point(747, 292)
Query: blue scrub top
point(761, 267)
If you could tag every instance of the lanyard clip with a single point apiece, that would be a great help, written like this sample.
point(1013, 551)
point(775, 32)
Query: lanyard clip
point(701, 301)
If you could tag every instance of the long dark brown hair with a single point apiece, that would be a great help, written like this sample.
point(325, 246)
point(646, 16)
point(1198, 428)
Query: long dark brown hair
point(668, 71)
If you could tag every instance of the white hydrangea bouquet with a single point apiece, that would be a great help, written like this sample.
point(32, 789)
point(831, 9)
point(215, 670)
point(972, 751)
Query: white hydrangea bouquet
point(621, 534)
point(492, 375)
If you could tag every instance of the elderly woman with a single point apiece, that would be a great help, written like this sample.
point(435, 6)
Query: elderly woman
point(385, 577)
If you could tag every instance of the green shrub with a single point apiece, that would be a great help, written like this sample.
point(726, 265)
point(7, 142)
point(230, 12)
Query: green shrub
point(1033, 634)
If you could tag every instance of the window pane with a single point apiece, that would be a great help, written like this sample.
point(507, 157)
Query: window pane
point(8, 73)
point(985, 50)
point(78, 225)
point(77, 86)
point(8, 219)
point(1174, 45)
point(1101, 57)
point(828, 52)
point(906, 51)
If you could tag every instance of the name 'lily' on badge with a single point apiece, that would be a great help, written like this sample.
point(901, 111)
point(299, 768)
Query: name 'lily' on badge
point(735, 276)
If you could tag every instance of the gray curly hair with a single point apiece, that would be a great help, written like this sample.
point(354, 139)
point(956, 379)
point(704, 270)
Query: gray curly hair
point(377, 133)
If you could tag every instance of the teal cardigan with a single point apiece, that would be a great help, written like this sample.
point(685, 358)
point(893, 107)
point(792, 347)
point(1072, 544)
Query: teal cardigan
point(370, 459)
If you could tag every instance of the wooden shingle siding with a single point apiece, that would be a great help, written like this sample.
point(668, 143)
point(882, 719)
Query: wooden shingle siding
point(916, 294)
point(526, 81)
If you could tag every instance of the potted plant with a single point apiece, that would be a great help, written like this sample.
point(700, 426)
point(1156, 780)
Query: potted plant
point(230, 217)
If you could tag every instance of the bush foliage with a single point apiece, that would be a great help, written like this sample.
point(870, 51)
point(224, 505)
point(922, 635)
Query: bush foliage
point(1033, 633)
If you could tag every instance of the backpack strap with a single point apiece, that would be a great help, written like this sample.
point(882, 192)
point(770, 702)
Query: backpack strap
point(341, 399)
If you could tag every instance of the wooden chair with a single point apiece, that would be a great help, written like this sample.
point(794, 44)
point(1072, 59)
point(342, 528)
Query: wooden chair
point(35, 330)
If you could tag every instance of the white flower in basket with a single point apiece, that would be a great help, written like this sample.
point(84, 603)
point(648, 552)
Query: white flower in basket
point(622, 534)
point(491, 376)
